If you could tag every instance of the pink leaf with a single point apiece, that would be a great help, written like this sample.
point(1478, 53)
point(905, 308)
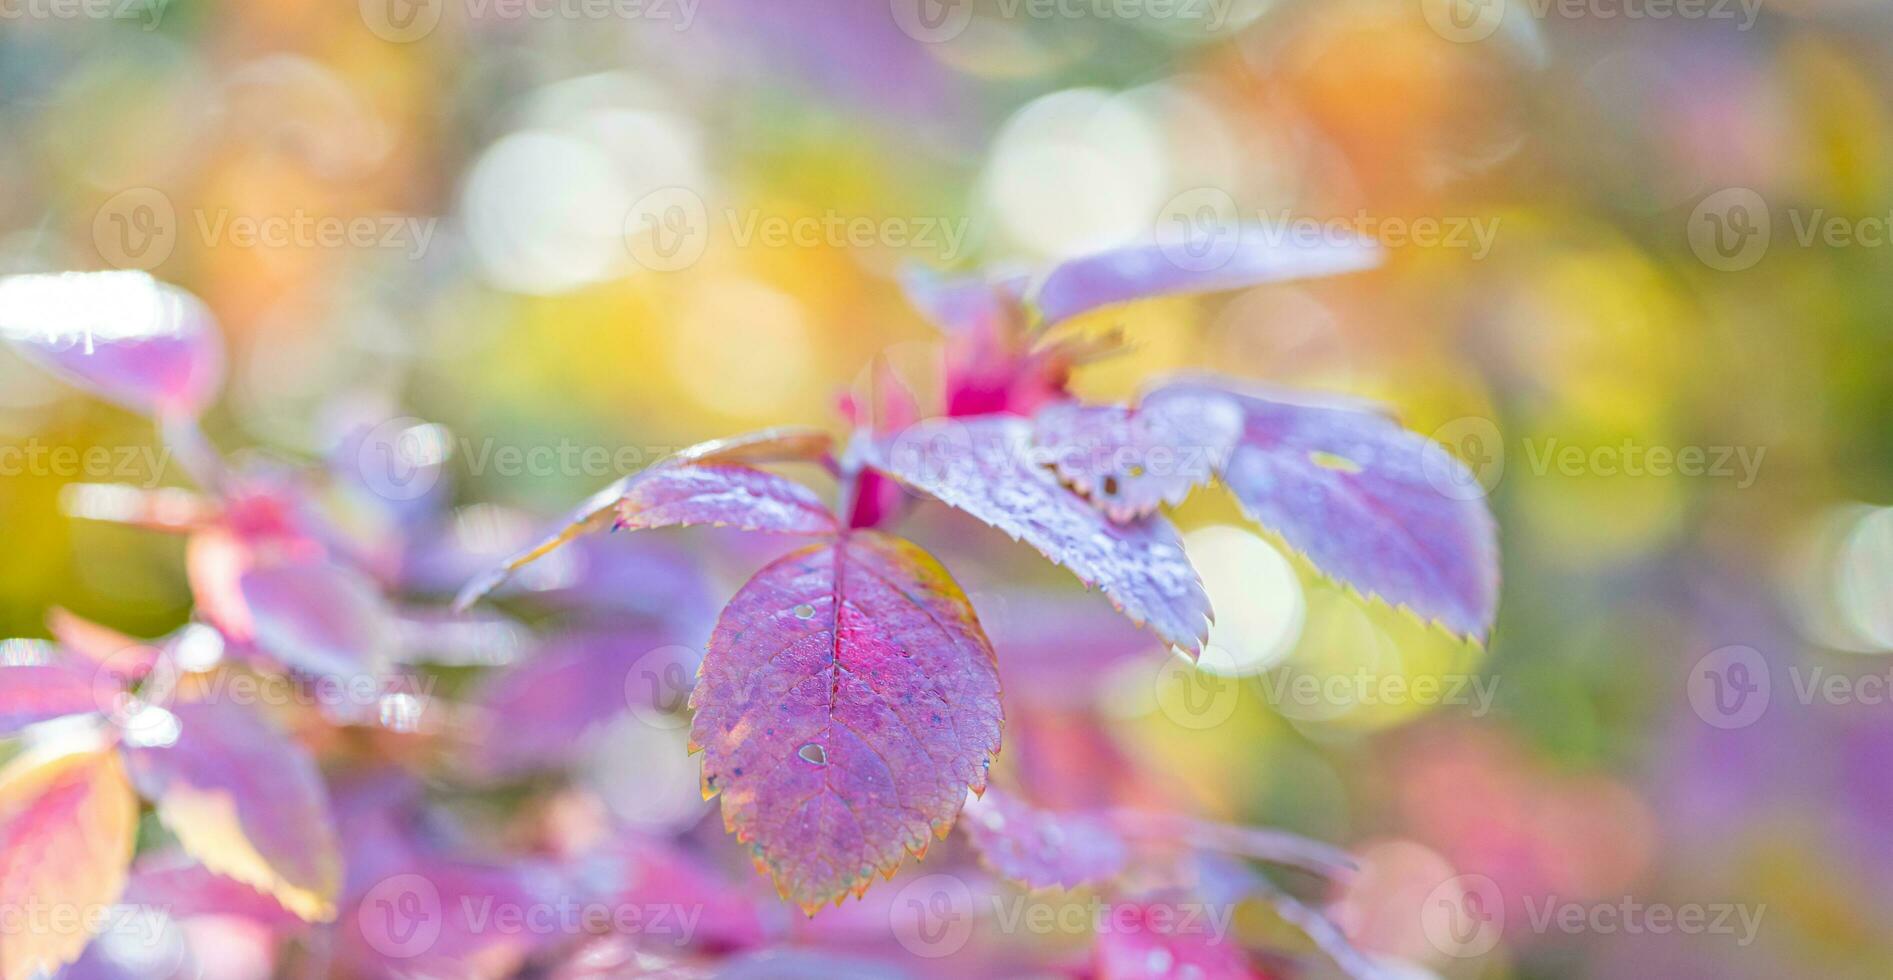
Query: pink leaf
point(1061, 649)
point(125, 336)
point(722, 496)
point(1042, 848)
point(538, 712)
point(1245, 257)
point(182, 888)
point(599, 510)
point(1366, 500)
point(102, 646)
point(246, 801)
point(318, 617)
point(67, 823)
point(847, 702)
point(649, 872)
point(1131, 463)
point(1151, 941)
point(433, 916)
point(987, 467)
point(34, 687)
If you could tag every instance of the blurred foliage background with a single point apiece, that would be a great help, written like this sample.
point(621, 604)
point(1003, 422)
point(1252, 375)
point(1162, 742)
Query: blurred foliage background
point(1574, 320)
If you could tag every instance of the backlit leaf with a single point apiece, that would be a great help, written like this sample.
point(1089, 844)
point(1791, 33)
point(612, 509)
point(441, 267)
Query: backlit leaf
point(602, 508)
point(1366, 500)
point(1042, 848)
point(1156, 940)
point(722, 496)
point(246, 801)
point(97, 643)
point(67, 824)
point(964, 305)
point(988, 468)
point(1247, 257)
point(125, 336)
point(318, 617)
point(846, 704)
point(539, 711)
point(182, 888)
point(1129, 463)
point(36, 687)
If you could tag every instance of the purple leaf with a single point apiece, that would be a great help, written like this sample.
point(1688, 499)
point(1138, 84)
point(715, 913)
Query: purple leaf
point(246, 801)
point(1255, 843)
point(847, 703)
point(988, 468)
point(601, 508)
point(538, 712)
point(182, 888)
point(1245, 257)
point(1131, 463)
point(1042, 848)
point(318, 617)
point(960, 305)
point(432, 916)
point(36, 688)
point(1061, 648)
point(651, 871)
point(151, 935)
point(722, 496)
point(67, 823)
point(1366, 500)
point(103, 648)
point(125, 336)
point(1150, 941)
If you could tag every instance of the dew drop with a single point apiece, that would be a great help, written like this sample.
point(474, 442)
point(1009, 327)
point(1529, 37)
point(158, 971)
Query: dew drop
point(804, 611)
point(813, 753)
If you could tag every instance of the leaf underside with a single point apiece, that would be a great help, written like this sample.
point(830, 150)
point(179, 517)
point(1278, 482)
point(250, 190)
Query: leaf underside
point(248, 802)
point(1365, 499)
point(1130, 463)
point(1042, 848)
point(601, 509)
point(847, 702)
point(124, 336)
point(987, 467)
